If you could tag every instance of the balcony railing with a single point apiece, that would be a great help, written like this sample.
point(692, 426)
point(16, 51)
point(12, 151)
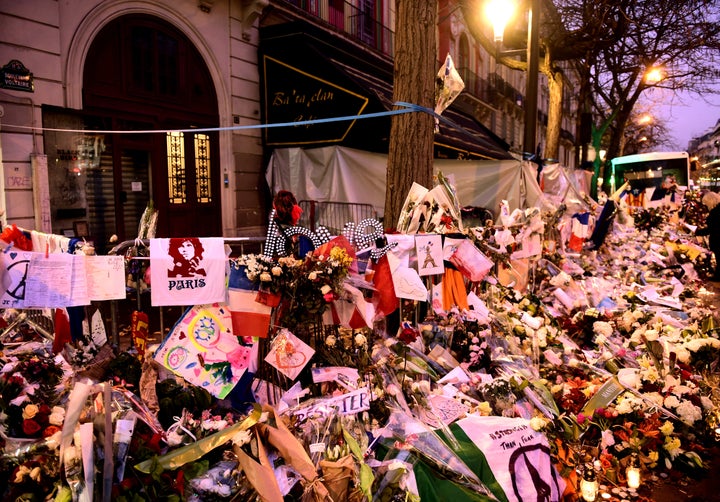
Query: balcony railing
point(476, 85)
point(360, 25)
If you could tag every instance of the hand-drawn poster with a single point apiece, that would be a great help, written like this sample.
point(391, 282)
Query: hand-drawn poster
point(13, 279)
point(429, 251)
point(187, 271)
point(202, 349)
point(289, 354)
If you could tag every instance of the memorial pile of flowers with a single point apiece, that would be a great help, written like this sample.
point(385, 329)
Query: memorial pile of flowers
point(563, 368)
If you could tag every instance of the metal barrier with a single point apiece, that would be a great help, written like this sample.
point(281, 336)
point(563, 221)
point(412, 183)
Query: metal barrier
point(333, 215)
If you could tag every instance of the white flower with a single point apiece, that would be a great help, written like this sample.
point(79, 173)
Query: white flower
point(57, 416)
point(330, 341)
point(671, 402)
point(325, 289)
point(608, 439)
point(241, 438)
point(312, 275)
point(360, 340)
point(276, 271)
point(688, 412)
point(707, 403)
point(651, 335)
point(265, 277)
point(538, 423)
point(603, 328)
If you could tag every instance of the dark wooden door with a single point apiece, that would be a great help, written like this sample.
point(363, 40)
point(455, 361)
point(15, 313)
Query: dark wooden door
point(157, 82)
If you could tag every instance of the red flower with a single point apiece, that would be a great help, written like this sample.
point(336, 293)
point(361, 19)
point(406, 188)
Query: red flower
point(50, 430)
point(30, 427)
point(408, 335)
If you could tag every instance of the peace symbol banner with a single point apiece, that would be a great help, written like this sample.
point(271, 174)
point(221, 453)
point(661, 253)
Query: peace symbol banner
point(509, 457)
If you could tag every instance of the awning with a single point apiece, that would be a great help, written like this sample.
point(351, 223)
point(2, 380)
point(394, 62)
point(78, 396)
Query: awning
point(306, 75)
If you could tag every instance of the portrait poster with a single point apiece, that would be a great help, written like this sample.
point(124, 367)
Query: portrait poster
point(202, 349)
point(187, 271)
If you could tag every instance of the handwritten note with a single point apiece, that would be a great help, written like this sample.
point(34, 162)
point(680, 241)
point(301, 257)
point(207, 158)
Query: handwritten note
point(49, 281)
point(105, 277)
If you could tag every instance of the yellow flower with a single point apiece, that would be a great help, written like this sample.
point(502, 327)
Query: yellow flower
point(484, 408)
point(667, 428)
point(672, 446)
point(30, 411)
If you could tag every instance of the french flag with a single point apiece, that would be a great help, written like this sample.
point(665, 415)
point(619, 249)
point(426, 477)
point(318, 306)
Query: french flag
point(581, 223)
point(249, 317)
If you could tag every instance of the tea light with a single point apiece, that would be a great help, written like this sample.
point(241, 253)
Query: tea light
point(633, 472)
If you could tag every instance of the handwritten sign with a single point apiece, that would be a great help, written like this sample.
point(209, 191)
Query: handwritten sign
point(447, 409)
point(49, 281)
point(344, 404)
point(106, 277)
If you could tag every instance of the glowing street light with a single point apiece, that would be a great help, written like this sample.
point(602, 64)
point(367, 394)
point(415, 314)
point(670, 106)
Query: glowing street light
point(653, 75)
point(499, 12)
point(645, 119)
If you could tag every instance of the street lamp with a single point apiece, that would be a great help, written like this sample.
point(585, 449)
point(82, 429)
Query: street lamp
point(497, 13)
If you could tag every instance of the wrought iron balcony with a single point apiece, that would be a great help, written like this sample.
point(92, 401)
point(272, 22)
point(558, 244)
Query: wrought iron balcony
point(359, 24)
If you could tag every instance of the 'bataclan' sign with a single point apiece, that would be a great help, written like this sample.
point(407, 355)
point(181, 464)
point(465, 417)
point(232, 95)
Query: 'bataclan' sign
point(293, 95)
point(15, 76)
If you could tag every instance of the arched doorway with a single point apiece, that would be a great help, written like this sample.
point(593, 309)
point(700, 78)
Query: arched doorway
point(141, 73)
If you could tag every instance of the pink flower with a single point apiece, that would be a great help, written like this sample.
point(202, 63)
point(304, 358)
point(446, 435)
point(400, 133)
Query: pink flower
point(581, 418)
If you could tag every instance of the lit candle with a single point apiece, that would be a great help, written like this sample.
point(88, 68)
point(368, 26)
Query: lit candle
point(589, 484)
point(633, 472)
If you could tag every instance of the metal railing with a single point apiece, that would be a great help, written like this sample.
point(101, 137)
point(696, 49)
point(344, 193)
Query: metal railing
point(360, 24)
point(333, 215)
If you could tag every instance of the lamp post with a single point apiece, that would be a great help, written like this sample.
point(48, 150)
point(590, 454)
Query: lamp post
point(498, 13)
point(531, 89)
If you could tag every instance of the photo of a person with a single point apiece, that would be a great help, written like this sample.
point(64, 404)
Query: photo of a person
point(187, 254)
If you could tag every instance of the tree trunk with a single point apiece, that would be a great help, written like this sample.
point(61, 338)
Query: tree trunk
point(555, 94)
point(410, 156)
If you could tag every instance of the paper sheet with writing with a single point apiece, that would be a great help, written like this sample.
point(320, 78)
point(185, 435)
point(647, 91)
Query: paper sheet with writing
point(105, 277)
point(55, 281)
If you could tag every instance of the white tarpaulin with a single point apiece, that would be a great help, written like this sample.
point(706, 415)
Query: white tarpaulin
point(340, 174)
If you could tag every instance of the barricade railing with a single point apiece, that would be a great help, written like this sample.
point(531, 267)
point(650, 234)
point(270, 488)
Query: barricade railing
point(333, 215)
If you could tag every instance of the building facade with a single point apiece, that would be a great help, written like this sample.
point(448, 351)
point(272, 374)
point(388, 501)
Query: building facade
point(109, 106)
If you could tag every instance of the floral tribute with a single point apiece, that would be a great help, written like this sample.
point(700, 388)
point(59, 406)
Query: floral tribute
point(559, 372)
